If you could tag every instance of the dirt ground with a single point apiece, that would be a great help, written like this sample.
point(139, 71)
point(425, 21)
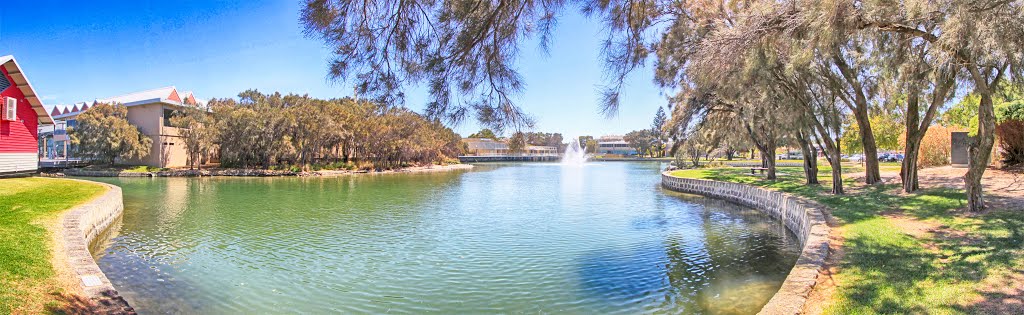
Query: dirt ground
point(1003, 189)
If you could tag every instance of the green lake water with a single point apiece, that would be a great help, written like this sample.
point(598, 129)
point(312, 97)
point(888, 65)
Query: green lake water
point(602, 238)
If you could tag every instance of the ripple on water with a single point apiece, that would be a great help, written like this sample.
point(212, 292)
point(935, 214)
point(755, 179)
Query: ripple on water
point(500, 239)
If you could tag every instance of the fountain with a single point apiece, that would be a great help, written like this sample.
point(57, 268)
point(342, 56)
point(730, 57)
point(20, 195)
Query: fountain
point(574, 153)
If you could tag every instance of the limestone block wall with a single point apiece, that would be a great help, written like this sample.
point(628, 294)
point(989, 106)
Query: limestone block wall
point(81, 225)
point(803, 217)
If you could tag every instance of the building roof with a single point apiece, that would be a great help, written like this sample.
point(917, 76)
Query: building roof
point(167, 95)
point(21, 81)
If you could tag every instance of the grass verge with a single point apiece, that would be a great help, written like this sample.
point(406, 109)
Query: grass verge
point(916, 253)
point(27, 206)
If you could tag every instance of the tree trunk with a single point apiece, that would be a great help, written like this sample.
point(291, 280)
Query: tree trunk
point(835, 160)
point(979, 152)
point(859, 107)
point(908, 169)
point(771, 166)
point(871, 173)
point(810, 159)
point(833, 152)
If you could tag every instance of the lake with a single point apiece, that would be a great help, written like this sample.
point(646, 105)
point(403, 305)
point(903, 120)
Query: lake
point(601, 238)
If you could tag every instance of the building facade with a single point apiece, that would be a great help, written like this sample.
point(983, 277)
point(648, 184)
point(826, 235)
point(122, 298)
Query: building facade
point(540, 150)
point(20, 117)
point(613, 144)
point(485, 147)
point(491, 147)
point(149, 110)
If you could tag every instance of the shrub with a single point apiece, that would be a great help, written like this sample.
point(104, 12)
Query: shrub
point(1011, 111)
point(715, 164)
point(935, 146)
point(141, 169)
point(1010, 134)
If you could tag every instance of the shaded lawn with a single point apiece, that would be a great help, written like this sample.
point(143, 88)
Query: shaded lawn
point(886, 269)
point(26, 276)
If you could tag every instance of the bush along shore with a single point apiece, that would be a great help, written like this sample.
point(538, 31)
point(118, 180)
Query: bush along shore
point(155, 172)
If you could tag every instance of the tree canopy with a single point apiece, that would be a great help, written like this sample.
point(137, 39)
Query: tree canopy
point(264, 130)
point(103, 133)
point(484, 133)
point(784, 71)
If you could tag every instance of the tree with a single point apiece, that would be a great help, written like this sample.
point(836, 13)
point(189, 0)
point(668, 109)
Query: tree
point(545, 139)
point(484, 133)
point(589, 142)
point(641, 140)
point(591, 146)
point(983, 38)
point(980, 37)
point(466, 51)
point(1011, 140)
point(301, 132)
point(657, 128)
point(517, 143)
point(103, 133)
point(886, 128)
point(197, 130)
point(463, 52)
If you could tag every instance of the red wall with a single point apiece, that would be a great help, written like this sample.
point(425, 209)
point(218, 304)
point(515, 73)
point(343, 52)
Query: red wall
point(18, 136)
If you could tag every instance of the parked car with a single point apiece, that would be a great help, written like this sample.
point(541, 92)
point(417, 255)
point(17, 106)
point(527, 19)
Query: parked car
point(857, 158)
point(890, 157)
point(790, 156)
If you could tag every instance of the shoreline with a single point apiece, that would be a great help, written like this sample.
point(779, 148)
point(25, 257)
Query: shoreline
point(805, 218)
point(235, 172)
point(75, 268)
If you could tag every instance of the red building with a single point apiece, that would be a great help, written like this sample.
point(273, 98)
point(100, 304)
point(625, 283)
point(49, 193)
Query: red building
point(21, 113)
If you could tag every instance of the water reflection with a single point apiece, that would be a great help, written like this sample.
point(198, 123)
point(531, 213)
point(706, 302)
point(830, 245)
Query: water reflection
point(503, 238)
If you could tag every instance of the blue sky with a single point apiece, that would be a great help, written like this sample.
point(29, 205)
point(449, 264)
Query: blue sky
point(77, 51)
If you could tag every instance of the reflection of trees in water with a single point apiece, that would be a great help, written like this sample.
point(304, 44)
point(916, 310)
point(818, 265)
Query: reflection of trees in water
point(181, 225)
point(740, 259)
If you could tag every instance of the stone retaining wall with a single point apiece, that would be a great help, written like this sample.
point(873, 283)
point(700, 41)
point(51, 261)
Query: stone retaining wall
point(80, 226)
point(801, 216)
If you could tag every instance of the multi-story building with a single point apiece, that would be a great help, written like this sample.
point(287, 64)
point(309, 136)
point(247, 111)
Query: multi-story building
point(540, 150)
point(491, 147)
point(150, 111)
point(613, 144)
point(485, 147)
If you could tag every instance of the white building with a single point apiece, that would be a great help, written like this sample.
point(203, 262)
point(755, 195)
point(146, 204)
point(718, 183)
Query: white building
point(614, 144)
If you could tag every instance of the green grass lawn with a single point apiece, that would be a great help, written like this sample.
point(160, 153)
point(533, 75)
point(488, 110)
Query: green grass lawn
point(958, 263)
point(26, 204)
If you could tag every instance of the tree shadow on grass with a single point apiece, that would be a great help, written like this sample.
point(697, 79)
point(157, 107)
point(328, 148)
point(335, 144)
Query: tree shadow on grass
point(892, 272)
